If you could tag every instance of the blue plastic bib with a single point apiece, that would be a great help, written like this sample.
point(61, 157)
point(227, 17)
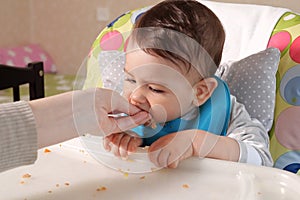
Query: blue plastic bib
point(213, 117)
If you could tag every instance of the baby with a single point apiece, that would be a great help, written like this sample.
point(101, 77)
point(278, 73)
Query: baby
point(171, 59)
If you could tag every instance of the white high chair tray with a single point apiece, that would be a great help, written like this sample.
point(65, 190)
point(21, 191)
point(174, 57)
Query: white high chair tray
point(69, 172)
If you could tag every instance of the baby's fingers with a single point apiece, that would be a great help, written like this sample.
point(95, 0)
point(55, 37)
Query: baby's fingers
point(123, 147)
point(107, 142)
point(134, 143)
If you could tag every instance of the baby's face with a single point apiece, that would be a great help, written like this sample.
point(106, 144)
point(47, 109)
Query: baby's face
point(157, 86)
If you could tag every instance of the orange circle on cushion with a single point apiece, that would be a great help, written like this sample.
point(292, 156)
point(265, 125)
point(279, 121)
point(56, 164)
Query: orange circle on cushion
point(287, 128)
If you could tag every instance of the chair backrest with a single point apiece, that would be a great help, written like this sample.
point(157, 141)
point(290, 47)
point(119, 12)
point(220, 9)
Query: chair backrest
point(13, 77)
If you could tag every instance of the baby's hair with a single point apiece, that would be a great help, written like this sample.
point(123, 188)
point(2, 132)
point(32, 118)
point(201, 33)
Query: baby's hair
point(189, 18)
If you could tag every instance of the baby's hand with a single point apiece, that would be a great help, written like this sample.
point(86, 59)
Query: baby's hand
point(122, 144)
point(170, 149)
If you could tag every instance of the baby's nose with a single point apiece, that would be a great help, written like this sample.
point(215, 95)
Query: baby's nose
point(139, 99)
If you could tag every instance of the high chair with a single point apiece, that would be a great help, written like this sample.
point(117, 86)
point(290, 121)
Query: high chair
point(281, 31)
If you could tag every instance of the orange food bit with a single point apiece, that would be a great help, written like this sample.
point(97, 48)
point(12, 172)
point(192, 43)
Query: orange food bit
point(26, 176)
point(185, 186)
point(47, 151)
point(101, 189)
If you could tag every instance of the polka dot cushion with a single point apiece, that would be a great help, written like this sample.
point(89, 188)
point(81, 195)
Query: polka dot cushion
point(253, 80)
point(285, 133)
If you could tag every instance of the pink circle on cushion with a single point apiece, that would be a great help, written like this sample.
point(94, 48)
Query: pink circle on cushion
point(287, 128)
point(112, 40)
point(280, 40)
point(295, 50)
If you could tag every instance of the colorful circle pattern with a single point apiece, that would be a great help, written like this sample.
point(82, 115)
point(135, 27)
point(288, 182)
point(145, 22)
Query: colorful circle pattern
point(115, 35)
point(113, 38)
point(285, 135)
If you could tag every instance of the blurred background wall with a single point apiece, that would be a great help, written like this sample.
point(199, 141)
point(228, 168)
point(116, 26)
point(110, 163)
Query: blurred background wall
point(67, 28)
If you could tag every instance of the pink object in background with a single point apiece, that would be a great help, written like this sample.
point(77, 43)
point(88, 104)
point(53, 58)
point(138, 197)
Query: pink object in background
point(21, 56)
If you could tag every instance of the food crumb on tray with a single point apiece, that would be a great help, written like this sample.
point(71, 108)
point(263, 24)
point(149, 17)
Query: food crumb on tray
point(47, 150)
point(126, 174)
point(185, 186)
point(26, 175)
point(101, 189)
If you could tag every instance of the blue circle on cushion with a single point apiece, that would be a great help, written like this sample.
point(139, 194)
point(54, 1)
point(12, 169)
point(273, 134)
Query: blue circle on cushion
point(289, 161)
point(292, 91)
point(290, 86)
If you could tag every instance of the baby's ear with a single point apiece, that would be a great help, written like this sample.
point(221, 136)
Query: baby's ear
point(203, 90)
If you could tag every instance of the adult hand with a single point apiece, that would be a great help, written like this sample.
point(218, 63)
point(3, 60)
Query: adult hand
point(105, 111)
point(65, 116)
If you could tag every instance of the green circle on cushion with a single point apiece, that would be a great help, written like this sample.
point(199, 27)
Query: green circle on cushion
point(284, 22)
point(122, 20)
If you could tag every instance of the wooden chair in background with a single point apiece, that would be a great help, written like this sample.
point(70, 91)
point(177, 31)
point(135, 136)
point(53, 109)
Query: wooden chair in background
point(13, 77)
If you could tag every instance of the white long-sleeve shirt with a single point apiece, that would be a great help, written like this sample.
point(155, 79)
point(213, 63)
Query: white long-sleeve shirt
point(251, 135)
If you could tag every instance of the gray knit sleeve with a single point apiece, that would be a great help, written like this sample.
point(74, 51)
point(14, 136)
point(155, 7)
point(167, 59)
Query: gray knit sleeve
point(18, 143)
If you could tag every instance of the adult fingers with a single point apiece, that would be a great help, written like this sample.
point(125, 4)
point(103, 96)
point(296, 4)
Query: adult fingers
point(120, 105)
point(129, 122)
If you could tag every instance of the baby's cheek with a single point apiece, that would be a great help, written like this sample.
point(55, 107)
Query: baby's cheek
point(159, 113)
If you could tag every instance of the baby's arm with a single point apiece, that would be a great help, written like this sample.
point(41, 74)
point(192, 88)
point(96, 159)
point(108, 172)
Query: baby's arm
point(170, 149)
point(246, 141)
point(121, 144)
point(251, 136)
